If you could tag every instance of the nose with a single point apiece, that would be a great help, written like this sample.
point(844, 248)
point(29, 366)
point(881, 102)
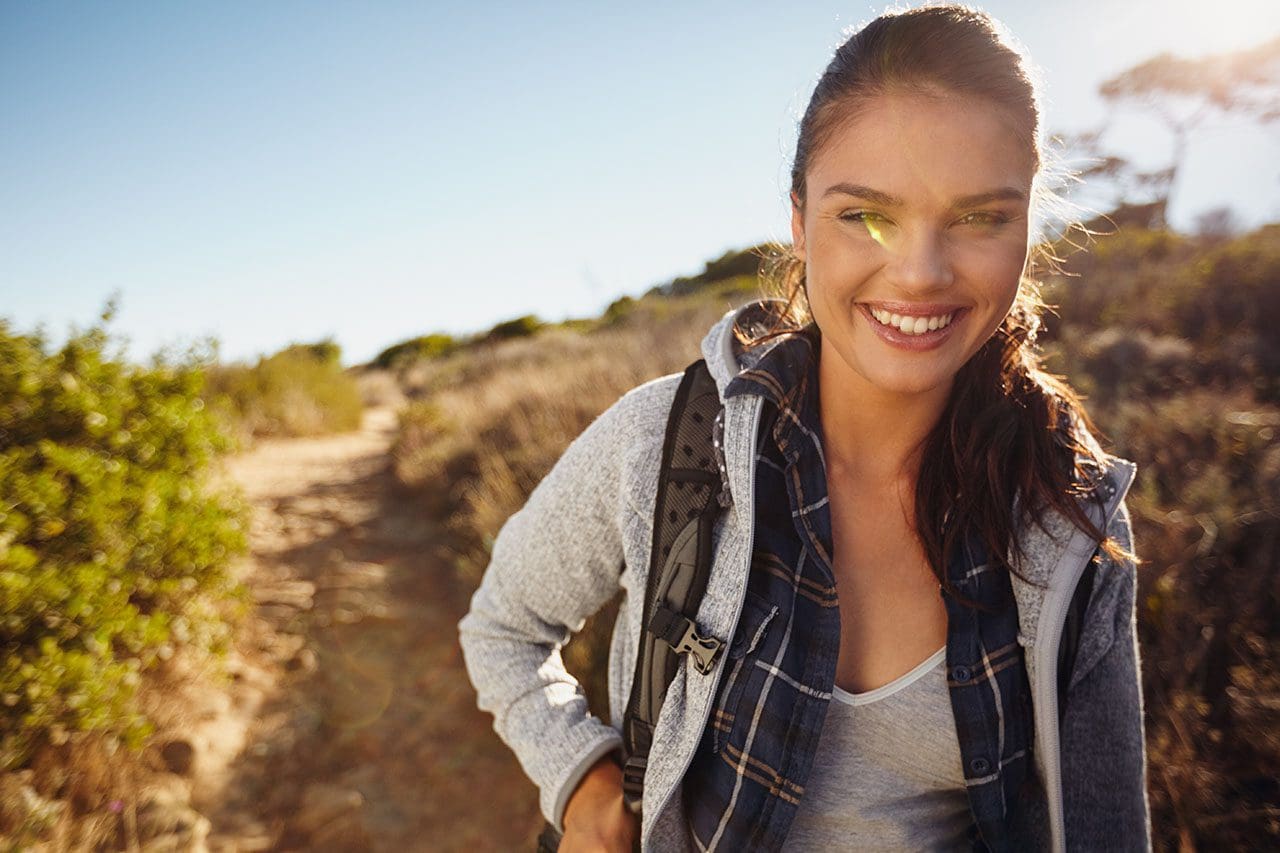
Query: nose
point(919, 262)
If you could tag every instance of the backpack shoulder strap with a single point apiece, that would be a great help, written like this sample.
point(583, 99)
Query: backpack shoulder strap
point(689, 499)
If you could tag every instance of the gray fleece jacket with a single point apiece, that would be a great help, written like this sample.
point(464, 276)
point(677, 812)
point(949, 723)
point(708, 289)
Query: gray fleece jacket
point(584, 533)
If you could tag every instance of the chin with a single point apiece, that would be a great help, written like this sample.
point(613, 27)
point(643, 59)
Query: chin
point(910, 381)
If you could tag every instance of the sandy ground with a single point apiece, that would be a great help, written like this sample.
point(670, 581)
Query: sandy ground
point(350, 723)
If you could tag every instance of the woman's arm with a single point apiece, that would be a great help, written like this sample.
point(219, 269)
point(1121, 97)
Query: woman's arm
point(1103, 745)
point(554, 563)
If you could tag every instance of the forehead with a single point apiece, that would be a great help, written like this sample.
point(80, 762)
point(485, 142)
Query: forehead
point(926, 149)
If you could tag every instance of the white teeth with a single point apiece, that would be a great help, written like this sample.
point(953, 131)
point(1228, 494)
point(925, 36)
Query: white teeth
point(913, 325)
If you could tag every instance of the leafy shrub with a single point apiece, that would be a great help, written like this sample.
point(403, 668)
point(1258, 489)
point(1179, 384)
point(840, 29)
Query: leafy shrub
point(298, 391)
point(112, 551)
point(520, 327)
point(619, 309)
point(326, 352)
point(434, 345)
point(735, 263)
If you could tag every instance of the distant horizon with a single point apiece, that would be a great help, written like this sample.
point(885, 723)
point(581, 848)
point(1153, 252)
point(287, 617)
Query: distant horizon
point(271, 175)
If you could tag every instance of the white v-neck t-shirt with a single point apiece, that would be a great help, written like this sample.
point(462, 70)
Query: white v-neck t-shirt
point(887, 774)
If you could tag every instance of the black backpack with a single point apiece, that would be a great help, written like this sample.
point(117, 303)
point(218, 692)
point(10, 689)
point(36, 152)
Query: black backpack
point(692, 492)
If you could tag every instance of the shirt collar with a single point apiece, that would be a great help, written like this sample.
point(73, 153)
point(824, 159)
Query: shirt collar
point(785, 373)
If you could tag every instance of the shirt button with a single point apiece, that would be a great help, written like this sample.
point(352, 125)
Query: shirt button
point(960, 673)
point(979, 765)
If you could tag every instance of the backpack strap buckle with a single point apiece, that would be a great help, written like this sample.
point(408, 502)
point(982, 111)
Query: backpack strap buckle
point(704, 649)
point(681, 633)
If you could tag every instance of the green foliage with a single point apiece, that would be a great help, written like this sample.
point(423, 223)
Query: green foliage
point(1192, 312)
point(520, 327)
point(301, 390)
point(735, 263)
point(579, 324)
point(326, 352)
point(434, 345)
point(619, 309)
point(111, 549)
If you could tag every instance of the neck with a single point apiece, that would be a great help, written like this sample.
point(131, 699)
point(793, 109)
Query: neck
point(868, 432)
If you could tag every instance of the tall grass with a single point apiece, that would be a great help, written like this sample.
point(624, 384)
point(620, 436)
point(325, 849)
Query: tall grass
point(296, 392)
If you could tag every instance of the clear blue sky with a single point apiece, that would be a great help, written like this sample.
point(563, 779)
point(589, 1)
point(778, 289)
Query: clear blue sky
point(274, 172)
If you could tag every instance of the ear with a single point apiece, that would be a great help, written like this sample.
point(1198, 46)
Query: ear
point(797, 228)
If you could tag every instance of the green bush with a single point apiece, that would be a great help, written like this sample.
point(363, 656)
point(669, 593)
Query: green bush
point(297, 391)
point(434, 345)
point(520, 327)
point(326, 352)
point(735, 263)
point(112, 552)
point(619, 309)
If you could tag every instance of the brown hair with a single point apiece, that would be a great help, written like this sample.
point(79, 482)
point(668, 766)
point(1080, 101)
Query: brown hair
point(1009, 428)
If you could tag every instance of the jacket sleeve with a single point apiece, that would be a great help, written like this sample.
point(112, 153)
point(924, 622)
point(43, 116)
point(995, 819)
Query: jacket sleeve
point(1103, 735)
point(555, 562)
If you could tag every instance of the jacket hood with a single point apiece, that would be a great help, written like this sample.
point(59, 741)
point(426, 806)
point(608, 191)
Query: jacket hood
point(725, 355)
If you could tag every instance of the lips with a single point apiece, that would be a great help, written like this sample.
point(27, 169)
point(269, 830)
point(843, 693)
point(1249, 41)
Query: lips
point(897, 323)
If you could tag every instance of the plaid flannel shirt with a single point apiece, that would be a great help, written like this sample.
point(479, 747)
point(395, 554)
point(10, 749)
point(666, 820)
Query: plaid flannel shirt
point(749, 772)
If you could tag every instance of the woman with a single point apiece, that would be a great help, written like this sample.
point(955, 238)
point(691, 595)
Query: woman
point(913, 502)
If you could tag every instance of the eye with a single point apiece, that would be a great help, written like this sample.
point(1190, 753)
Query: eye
point(867, 217)
point(986, 218)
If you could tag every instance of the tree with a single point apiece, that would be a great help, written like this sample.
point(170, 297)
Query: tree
point(1184, 93)
point(1217, 224)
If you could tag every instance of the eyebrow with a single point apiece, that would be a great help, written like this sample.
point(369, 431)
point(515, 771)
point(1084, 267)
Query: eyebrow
point(886, 200)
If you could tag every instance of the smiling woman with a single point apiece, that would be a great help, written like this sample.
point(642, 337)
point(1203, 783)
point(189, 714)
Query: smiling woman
point(924, 581)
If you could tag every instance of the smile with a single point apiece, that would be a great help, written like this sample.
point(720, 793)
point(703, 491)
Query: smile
point(911, 325)
point(914, 332)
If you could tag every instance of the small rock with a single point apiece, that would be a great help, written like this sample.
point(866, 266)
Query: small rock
point(179, 756)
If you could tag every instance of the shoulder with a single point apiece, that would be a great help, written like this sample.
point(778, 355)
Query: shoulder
point(616, 458)
point(632, 425)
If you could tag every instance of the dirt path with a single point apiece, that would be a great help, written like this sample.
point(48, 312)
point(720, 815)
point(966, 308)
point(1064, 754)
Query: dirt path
point(351, 724)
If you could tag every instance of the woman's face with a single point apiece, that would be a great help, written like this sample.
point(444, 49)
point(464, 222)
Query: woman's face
point(914, 237)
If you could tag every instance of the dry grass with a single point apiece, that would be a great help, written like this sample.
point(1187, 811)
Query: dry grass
point(288, 394)
point(486, 426)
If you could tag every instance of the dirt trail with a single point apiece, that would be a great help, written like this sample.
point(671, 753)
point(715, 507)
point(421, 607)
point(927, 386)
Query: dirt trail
point(351, 724)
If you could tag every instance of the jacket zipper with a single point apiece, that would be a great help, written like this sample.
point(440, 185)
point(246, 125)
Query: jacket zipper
point(751, 532)
point(1045, 696)
point(1045, 704)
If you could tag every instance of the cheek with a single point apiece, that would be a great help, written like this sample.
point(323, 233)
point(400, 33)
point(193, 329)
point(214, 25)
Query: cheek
point(998, 269)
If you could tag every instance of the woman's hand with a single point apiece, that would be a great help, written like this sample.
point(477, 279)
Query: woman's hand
point(596, 818)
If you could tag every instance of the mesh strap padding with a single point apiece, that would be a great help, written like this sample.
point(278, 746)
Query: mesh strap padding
point(685, 511)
